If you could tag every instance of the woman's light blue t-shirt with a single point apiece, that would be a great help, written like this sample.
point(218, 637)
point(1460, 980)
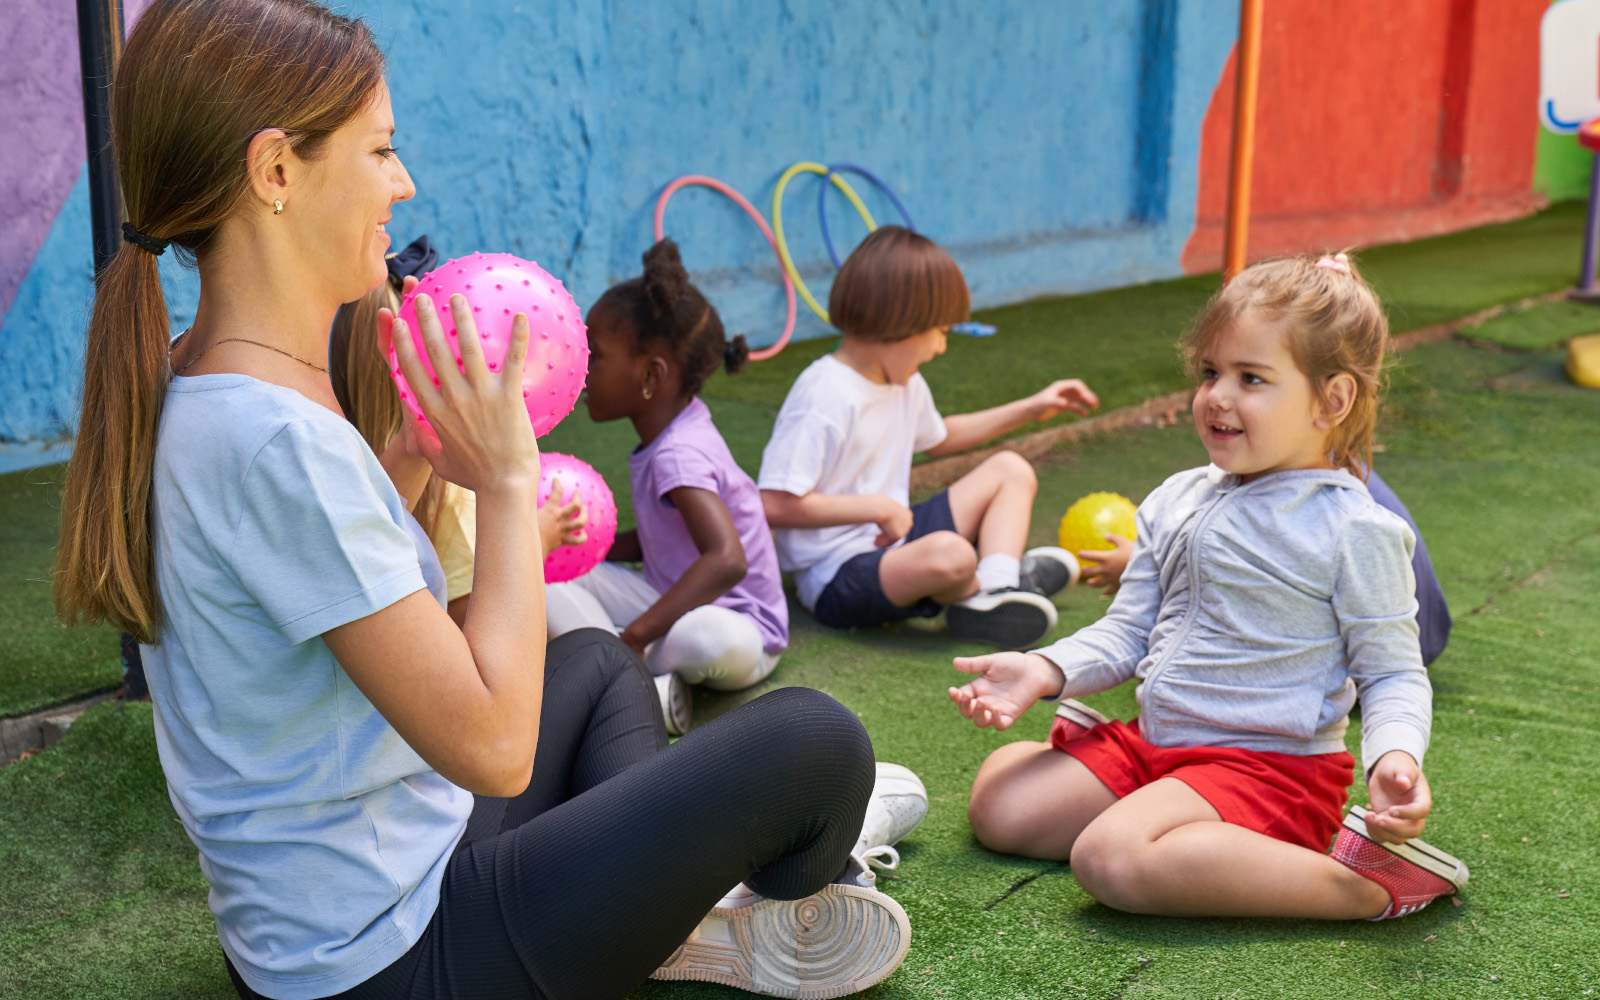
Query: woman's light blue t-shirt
point(324, 836)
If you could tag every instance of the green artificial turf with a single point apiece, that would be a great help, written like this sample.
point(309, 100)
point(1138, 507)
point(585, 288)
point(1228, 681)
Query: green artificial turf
point(41, 663)
point(1536, 327)
point(1493, 451)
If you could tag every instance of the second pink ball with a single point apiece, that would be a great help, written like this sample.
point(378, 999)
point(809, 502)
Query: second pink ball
point(572, 561)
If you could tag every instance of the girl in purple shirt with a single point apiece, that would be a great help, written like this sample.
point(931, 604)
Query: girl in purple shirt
point(708, 607)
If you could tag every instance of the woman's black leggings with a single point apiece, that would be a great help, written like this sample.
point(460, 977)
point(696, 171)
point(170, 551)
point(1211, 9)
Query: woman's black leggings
point(586, 882)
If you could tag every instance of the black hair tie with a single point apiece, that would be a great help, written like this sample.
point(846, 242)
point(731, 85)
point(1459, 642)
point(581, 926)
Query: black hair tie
point(143, 242)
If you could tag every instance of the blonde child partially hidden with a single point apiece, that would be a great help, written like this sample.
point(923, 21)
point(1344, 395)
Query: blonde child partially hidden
point(366, 393)
point(1265, 595)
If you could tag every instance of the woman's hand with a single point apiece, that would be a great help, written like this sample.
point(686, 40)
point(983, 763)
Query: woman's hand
point(1400, 799)
point(562, 523)
point(1006, 686)
point(1111, 563)
point(480, 434)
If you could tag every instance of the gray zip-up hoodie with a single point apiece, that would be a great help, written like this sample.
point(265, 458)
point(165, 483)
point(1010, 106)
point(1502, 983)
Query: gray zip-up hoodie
point(1255, 614)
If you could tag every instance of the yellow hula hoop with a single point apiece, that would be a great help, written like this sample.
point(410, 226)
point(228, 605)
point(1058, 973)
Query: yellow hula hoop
point(777, 224)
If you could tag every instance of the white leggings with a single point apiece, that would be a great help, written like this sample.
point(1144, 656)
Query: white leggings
point(711, 645)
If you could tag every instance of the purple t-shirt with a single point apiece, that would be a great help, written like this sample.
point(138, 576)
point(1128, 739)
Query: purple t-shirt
point(690, 452)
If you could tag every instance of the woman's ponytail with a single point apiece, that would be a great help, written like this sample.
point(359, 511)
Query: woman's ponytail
point(104, 568)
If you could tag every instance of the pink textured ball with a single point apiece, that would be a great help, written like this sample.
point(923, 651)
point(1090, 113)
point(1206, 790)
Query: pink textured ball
point(572, 561)
point(498, 286)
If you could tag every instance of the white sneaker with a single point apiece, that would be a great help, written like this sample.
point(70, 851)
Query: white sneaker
point(676, 703)
point(845, 938)
point(898, 805)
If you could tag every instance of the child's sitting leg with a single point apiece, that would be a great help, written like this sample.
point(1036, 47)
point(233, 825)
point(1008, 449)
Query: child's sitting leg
point(1164, 848)
point(711, 645)
point(989, 509)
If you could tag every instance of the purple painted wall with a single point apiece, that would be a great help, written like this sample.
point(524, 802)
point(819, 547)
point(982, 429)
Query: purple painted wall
point(42, 151)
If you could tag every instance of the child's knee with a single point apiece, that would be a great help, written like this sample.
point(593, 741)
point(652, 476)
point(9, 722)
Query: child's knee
point(949, 558)
point(994, 819)
point(1012, 469)
point(1106, 862)
point(998, 818)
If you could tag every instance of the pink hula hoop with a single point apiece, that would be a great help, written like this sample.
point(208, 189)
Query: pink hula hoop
point(772, 241)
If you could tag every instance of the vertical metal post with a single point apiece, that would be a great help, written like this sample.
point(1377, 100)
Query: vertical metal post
point(1248, 75)
point(1591, 233)
point(99, 46)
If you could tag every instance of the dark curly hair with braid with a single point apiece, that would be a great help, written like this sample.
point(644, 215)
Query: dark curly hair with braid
point(663, 310)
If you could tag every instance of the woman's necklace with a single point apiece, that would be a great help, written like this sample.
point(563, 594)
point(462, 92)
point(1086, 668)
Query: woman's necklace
point(243, 340)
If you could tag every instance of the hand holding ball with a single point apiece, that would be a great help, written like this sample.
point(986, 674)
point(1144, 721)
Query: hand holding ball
point(572, 561)
point(498, 286)
point(1092, 518)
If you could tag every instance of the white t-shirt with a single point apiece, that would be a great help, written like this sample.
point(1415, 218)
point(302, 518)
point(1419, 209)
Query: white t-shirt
point(841, 434)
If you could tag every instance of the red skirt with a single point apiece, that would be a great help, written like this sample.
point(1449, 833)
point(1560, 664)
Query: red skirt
point(1290, 798)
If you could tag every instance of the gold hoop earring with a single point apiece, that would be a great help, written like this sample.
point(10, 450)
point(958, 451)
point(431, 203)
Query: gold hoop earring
point(647, 392)
point(277, 207)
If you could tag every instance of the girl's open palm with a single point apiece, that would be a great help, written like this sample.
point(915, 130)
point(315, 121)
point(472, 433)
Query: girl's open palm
point(1007, 685)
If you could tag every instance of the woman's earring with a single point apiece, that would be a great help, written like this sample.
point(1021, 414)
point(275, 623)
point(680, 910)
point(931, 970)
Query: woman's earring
point(647, 392)
point(277, 207)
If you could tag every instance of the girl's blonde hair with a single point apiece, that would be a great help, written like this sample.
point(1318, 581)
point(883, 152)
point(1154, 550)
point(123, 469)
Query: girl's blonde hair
point(1335, 325)
point(197, 80)
point(365, 390)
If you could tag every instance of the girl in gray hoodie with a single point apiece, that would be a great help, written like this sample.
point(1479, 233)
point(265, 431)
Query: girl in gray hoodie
point(1267, 593)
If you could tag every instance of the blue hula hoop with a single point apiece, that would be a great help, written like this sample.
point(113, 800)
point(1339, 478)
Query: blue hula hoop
point(822, 202)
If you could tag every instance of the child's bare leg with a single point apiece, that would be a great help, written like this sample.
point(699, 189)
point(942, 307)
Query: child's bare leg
point(941, 565)
point(1164, 850)
point(1031, 799)
point(993, 504)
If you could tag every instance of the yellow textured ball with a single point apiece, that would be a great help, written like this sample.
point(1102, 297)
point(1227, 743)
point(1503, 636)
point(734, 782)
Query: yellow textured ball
point(1583, 360)
point(1088, 521)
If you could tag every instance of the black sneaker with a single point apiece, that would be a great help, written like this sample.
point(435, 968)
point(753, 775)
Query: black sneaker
point(1010, 617)
point(1048, 570)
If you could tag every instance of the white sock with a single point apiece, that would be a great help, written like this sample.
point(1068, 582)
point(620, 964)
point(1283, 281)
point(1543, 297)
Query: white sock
point(999, 570)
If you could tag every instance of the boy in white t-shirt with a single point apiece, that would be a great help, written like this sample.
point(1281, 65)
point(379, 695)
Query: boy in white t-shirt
point(835, 478)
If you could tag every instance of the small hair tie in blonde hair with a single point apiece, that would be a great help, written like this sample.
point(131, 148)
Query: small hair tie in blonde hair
point(1338, 262)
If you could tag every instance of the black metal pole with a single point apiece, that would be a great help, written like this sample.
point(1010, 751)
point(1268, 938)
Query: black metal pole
point(99, 46)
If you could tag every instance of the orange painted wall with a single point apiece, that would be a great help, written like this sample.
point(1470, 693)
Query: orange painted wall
point(1378, 121)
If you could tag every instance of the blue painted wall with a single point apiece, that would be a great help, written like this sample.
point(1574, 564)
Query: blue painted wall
point(1051, 146)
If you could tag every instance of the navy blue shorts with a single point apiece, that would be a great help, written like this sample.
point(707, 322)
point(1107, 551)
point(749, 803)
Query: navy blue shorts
point(854, 597)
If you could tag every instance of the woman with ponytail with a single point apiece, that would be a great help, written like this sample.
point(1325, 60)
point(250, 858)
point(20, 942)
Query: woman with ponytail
point(709, 606)
point(359, 775)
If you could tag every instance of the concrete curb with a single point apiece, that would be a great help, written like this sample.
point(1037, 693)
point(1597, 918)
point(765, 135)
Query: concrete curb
point(944, 471)
point(43, 728)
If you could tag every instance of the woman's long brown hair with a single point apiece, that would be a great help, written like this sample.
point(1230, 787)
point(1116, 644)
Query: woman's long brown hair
point(198, 80)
